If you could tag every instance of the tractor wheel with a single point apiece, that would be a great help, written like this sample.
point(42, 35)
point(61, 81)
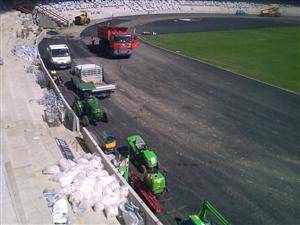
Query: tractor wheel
point(104, 117)
point(85, 121)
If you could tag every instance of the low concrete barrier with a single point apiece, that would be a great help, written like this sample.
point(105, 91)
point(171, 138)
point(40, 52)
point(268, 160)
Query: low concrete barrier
point(93, 146)
point(69, 118)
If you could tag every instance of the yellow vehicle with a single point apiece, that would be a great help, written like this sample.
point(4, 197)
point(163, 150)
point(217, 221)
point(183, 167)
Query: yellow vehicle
point(83, 19)
point(272, 12)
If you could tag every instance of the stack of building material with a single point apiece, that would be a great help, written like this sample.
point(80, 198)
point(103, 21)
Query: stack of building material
point(86, 184)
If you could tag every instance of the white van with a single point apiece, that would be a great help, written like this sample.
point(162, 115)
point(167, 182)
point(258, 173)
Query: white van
point(59, 56)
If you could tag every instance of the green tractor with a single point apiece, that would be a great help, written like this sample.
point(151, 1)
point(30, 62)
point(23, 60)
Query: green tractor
point(88, 108)
point(201, 217)
point(140, 153)
point(146, 160)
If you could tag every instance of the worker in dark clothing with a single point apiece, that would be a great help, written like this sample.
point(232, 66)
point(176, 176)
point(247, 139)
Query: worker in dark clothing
point(93, 40)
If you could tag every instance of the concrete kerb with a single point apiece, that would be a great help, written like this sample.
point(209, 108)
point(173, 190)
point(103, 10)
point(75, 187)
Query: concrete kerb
point(69, 114)
point(219, 67)
point(93, 146)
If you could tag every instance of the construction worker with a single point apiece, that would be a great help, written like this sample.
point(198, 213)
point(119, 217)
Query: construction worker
point(93, 40)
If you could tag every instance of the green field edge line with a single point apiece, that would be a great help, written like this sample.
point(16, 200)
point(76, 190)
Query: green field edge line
point(217, 66)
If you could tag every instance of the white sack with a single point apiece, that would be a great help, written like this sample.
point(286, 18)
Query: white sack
point(51, 169)
point(111, 211)
point(98, 207)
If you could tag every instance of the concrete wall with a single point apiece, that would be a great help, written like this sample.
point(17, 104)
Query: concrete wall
point(69, 118)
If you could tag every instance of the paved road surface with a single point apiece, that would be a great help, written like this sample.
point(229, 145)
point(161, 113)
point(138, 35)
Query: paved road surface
point(222, 137)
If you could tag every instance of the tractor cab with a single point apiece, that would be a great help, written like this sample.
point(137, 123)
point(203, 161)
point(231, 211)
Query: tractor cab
point(140, 152)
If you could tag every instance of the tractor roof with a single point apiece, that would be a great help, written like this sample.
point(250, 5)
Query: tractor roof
point(139, 142)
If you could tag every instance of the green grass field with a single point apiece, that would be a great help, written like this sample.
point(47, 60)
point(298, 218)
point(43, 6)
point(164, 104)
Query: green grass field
point(271, 55)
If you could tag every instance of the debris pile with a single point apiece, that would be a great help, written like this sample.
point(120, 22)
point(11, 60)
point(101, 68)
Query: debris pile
point(27, 52)
point(86, 184)
point(58, 206)
point(52, 102)
point(54, 108)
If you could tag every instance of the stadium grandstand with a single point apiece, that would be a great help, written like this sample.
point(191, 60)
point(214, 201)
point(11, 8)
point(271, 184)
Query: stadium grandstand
point(108, 8)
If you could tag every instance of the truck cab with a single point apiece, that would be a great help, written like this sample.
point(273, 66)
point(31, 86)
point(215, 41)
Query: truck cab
point(121, 44)
point(59, 56)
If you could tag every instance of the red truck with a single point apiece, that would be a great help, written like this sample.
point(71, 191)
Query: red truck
point(116, 41)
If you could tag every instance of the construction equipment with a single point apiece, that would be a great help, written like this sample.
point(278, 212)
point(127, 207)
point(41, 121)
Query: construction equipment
point(150, 187)
point(122, 164)
point(153, 182)
point(91, 77)
point(271, 12)
point(116, 41)
point(140, 154)
point(83, 19)
point(109, 143)
point(88, 109)
point(201, 217)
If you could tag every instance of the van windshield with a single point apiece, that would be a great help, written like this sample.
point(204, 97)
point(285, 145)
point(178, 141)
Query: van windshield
point(60, 52)
point(122, 38)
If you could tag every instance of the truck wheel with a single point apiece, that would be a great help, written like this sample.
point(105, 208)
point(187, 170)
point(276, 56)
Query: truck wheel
point(85, 121)
point(88, 20)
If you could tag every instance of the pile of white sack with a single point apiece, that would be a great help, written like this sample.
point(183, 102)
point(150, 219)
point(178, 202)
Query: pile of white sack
point(86, 184)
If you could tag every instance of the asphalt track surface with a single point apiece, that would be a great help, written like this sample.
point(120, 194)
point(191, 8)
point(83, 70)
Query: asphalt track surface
point(222, 137)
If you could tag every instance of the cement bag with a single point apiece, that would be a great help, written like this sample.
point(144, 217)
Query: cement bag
point(60, 206)
point(68, 189)
point(111, 211)
point(62, 179)
point(65, 180)
point(58, 176)
point(92, 174)
point(102, 173)
point(79, 178)
point(124, 191)
point(95, 157)
point(82, 161)
point(98, 186)
point(71, 174)
point(107, 191)
point(65, 164)
point(114, 199)
point(115, 185)
point(105, 201)
point(51, 169)
point(87, 186)
point(107, 180)
point(83, 206)
point(97, 191)
point(76, 197)
point(95, 163)
point(98, 207)
point(87, 156)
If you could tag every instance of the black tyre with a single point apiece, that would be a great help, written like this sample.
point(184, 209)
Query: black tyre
point(88, 20)
point(104, 117)
point(85, 121)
